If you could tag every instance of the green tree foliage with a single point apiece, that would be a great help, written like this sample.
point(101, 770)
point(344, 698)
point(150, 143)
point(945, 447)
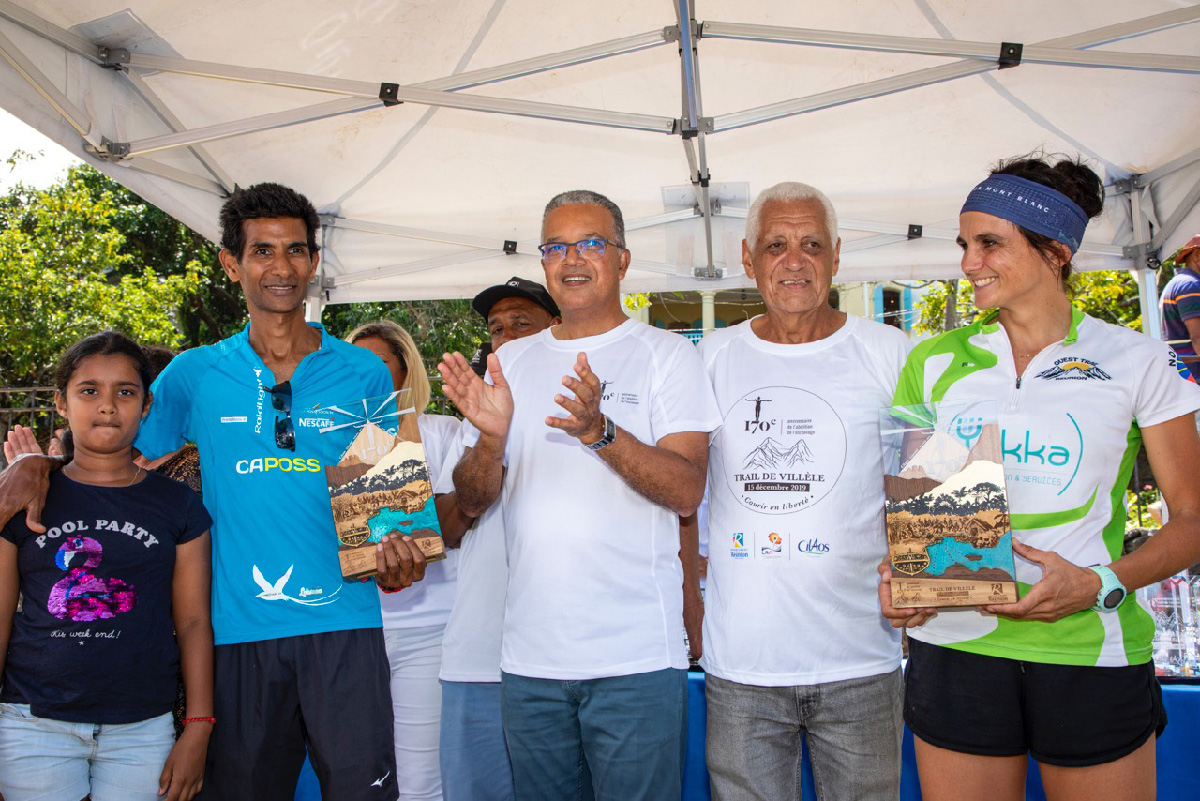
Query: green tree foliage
point(437, 326)
point(1111, 296)
point(66, 272)
point(153, 238)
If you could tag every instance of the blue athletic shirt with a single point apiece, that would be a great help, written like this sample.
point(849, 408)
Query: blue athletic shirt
point(275, 564)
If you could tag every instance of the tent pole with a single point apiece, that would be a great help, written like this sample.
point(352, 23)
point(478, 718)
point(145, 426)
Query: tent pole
point(1177, 217)
point(691, 125)
point(1144, 273)
point(175, 124)
point(35, 24)
point(984, 51)
point(46, 88)
point(946, 72)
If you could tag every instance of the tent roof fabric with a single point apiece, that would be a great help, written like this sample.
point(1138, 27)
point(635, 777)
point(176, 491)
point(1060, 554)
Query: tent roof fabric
point(894, 110)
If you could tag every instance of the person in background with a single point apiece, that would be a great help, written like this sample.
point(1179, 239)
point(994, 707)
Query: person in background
point(415, 620)
point(1181, 305)
point(475, 763)
point(1065, 673)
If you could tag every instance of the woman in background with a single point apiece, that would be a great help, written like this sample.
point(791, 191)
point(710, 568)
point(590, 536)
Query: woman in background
point(414, 620)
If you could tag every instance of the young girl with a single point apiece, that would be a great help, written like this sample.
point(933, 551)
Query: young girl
point(90, 661)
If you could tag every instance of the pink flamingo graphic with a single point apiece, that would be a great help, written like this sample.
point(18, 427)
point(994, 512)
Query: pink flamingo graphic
point(82, 595)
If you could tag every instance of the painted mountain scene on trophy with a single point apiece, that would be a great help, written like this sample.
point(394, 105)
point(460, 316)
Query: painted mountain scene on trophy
point(946, 507)
point(380, 484)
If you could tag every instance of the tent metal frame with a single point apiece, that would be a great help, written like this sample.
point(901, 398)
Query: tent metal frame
point(1133, 197)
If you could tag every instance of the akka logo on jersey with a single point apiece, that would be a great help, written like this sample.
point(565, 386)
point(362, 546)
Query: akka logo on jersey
point(792, 446)
point(738, 551)
point(1071, 368)
point(1049, 457)
point(774, 547)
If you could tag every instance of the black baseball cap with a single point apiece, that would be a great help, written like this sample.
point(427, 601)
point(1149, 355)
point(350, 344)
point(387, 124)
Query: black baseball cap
point(514, 288)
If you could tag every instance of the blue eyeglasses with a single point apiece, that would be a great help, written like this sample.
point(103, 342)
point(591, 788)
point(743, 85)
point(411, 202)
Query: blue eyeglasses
point(587, 248)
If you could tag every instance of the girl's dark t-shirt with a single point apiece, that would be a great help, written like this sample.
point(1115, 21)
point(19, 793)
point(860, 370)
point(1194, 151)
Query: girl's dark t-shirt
point(94, 641)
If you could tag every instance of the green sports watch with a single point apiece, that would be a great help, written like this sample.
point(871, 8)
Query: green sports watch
point(1112, 591)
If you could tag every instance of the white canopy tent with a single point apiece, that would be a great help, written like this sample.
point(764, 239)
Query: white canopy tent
point(430, 135)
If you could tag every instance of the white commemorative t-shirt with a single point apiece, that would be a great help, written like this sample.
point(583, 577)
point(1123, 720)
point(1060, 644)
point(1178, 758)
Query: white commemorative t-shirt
point(471, 644)
point(795, 490)
point(595, 583)
point(428, 602)
point(1070, 431)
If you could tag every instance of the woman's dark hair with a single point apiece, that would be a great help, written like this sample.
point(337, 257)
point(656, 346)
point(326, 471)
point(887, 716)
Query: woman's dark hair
point(1071, 177)
point(159, 358)
point(108, 343)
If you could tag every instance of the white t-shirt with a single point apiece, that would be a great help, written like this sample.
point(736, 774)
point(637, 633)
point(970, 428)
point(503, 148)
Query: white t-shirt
point(1070, 429)
point(471, 644)
point(795, 490)
point(595, 584)
point(428, 602)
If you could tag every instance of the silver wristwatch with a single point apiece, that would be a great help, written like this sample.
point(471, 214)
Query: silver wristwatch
point(610, 434)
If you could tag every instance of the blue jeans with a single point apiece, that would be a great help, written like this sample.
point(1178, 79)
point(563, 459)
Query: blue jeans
point(854, 728)
point(41, 758)
point(620, 738)
point(475, 765)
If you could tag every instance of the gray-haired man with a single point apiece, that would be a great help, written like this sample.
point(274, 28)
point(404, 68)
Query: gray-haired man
point(594, 433)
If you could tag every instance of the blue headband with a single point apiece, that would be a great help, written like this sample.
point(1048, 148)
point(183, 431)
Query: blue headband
point(1032, 206)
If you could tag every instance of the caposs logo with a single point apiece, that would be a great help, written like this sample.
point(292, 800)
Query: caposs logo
point(247, 466)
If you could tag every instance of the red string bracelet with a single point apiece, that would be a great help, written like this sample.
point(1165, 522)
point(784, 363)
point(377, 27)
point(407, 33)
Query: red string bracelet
point(186, 721)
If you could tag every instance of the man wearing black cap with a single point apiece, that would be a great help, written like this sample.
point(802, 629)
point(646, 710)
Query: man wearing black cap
point(475, 764)
point(517, 308)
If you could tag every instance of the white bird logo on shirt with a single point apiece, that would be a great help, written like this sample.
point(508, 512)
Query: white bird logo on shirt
point(272, 592)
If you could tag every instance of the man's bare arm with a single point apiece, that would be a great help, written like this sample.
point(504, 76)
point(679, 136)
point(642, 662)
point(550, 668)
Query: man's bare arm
point(453, 521)
point(478, 477)
point(23, 485)
point(1193, 329)
point(693, 602)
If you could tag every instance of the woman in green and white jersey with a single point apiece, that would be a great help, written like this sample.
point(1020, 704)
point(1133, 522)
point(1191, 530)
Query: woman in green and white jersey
point(1064, 674)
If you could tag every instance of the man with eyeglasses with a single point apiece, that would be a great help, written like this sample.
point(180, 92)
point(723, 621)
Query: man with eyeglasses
point(299, 654)
point(594, 435)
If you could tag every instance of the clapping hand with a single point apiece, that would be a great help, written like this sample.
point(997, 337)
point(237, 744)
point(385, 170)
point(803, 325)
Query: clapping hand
point(585, 422)
point(489, 407)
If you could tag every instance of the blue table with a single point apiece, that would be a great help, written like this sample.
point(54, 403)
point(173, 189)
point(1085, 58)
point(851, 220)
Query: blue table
point(1178, 767)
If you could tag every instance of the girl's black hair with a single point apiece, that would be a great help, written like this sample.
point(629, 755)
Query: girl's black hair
point(107, 343)
point(1071, 177)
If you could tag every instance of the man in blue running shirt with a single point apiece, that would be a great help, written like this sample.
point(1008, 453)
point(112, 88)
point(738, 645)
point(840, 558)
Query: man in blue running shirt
point(299, 652)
